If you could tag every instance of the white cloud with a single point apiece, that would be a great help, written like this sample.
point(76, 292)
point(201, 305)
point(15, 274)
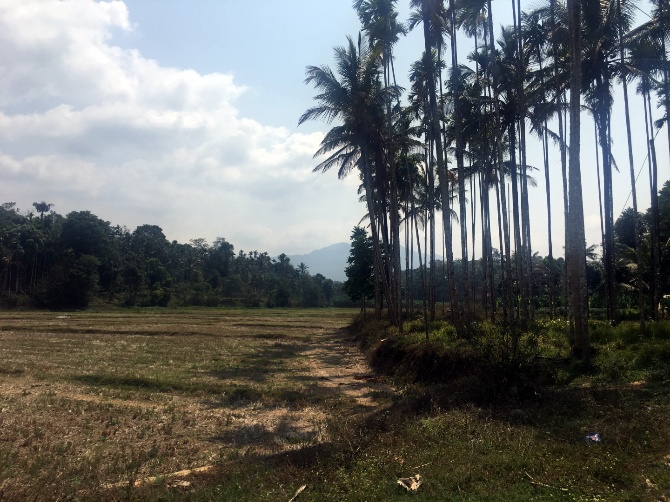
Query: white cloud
point(88, 125)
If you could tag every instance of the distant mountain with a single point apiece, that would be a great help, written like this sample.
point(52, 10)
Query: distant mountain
point(332, 260)
point(329, 261)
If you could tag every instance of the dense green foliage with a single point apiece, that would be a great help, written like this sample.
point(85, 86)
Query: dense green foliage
point(71, 261)
point(360, 269)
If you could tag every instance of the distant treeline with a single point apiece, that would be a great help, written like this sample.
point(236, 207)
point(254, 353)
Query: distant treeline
point(55, 261)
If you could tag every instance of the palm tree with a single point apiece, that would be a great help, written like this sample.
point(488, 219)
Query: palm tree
point(657, 30)
point(380, 21)
point(424, 75)
point(645, 57)
point(541, 107)
point(42, 208)
point(602, 23)
point(513, 61)
point(459, 154)
point(432, 16)
point(357, 99)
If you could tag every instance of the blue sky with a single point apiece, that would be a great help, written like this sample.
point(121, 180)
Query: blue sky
point(184, 115)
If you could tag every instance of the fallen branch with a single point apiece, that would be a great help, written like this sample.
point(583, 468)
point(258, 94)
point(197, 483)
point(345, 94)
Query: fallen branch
point(298, 492)
point(538, 483)
point(153, 479)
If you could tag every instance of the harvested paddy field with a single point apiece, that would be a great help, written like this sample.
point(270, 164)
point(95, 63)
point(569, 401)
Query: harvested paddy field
point(93, 403)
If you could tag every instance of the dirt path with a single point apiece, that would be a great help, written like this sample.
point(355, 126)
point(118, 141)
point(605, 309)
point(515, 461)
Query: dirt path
point(338, 364)
point(332, 370)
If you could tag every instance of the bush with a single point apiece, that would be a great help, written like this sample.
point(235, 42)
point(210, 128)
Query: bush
point(497, 361)
point(613, 365)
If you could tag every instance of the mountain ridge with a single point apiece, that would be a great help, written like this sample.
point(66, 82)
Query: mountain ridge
point(331, 261)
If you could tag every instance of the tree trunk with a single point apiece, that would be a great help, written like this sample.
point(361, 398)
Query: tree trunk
point(633, 188)
point(576, 247)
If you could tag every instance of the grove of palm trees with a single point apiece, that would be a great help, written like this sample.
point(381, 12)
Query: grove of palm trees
point(445, 169)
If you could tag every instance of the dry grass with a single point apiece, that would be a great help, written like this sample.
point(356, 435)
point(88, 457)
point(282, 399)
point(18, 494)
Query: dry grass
point(90, 401)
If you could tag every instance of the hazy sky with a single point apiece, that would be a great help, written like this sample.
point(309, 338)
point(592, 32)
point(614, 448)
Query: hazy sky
point(184, 115)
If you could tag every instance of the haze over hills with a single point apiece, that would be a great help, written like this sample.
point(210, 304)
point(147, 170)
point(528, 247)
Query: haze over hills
point(329, 261)
point(332, 260)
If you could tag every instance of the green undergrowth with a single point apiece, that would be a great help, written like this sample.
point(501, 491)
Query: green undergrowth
point(490, 363)
point(498, 362)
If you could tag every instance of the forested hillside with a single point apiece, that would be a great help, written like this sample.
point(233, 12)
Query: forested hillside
point(55, 261)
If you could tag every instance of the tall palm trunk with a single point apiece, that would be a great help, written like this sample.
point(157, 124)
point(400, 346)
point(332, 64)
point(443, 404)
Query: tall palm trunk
point(473, 230)
point(423, 280)
point(576, 246)
point(633, 188)
point(525, 249)
point(508, 294)
point(430, 262)
point(559, 97)
point(550, 246)
point(487, 247)
point(381, 278)
point(600, 191)
point(663, 13)
point(441, 166)
point(653, 189)
point(518, 247)
point(394, 215)
point(603, 117)
point(460, 166)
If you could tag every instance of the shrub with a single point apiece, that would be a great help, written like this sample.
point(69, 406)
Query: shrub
point(496, 361)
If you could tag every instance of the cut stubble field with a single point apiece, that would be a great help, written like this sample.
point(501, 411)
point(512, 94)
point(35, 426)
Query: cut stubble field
point(97, 402)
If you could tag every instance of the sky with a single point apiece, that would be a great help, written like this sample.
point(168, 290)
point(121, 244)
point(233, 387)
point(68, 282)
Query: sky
point(185, 115)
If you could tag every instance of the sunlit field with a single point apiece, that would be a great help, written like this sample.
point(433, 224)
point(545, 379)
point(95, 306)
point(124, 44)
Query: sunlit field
point(90, 402)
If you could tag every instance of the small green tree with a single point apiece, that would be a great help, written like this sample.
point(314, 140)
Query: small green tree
point(359, 285)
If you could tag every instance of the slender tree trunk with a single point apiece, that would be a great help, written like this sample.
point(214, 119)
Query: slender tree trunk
point(441, 167)
point(423, 281)
point(600, 201)
point(602, 114)
point(394, 216)
point(547, 188)
point(508, 295)
point(430, 261)
point(473, 230)
point(662, 4)
point(524, 272)
point(653, 189)
point(460, 166)
point(559, 97)
point(576, 245)
point(633, 188)
point(381, 281)
point(518, 248)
